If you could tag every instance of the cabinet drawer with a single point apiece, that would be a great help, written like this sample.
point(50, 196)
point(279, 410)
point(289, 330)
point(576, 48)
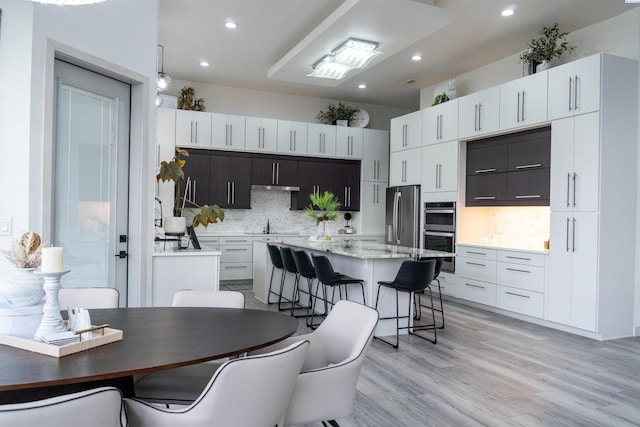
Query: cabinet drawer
point(521, 276)
point(478, 269)
point(477, 291)
point(210, 242)
point(236, 270)
point(236, 253)
point(236, 240)
point(524, 258)
point(476, 252)
point(520, 301)
point(448, 284)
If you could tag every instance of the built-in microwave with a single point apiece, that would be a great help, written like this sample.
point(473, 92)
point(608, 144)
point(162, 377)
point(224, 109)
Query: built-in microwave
point(440, 230)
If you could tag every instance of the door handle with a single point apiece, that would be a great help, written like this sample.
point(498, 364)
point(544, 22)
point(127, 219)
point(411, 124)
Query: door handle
point(573, 238)
point(522, 109)
point(570, 86)
point(575, 176)
point(122, 254)
point(518, 109)
point(568, 220)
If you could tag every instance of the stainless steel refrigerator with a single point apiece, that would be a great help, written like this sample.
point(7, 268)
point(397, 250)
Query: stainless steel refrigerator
point(402, 223)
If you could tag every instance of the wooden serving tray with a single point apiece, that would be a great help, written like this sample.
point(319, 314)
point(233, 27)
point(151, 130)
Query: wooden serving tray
point(97, 339)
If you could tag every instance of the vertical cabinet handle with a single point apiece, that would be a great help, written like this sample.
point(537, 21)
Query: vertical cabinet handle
point(575, 94)
point(575, 176)
point(191, 138)
point(475, 118)
point(277, 173)
point(479, 116)
point(568, 221)
point(568, 184)
point(230, 135)
point(226, 134)
point(518, 109)
point(294, 140)
point(228, 192)
point(573, 237)
point(570, 87)
point(522, 108)
point(273, 173)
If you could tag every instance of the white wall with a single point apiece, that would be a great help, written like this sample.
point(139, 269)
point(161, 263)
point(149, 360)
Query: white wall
point(619, 35)
point(15, 101)
point(118, 35)
point(247, 102)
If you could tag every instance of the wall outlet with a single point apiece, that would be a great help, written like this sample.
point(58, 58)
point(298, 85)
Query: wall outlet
point(6, 227)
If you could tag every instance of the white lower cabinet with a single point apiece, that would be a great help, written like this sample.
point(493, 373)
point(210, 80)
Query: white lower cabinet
point(236, 259)
point(448, 284)
point(507, 279)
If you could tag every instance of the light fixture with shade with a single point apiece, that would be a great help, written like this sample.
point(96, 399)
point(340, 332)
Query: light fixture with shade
point(163, 80)
point(353, 53)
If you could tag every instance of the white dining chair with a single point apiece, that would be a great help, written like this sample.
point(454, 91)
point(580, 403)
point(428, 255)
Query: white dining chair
point(88, 298)
point(219, 299)
point(250, 391)
point(326, 387)
point(99, 407)
point(183, 385)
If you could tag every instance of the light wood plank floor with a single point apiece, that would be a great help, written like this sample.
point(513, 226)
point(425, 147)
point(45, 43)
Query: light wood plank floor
point(491, 370)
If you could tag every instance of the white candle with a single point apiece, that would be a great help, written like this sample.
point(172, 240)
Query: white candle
point(52, 260)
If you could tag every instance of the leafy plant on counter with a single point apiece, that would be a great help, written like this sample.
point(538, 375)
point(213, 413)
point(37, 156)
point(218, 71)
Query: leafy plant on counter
point(327, 206)
point(172, 171)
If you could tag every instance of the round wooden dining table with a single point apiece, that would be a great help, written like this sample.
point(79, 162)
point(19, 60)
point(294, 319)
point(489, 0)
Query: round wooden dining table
point(154, 338)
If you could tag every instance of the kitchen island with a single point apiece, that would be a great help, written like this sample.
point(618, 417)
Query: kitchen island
point(372, 262)
point(177, 269)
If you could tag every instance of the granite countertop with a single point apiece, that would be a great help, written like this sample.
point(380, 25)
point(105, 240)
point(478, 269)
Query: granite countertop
point(358, 249)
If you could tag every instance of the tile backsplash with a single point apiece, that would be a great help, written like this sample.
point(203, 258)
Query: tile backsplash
point(524, 227)
point(274, 206)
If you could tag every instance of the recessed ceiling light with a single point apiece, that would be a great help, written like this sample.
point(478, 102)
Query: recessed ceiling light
point(362, 86)
point(231, 25)
point(507, 12)
point(416, 57)
point(204, 64)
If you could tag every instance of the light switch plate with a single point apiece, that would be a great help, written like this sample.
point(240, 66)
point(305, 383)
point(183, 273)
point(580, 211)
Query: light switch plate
point(5, 227)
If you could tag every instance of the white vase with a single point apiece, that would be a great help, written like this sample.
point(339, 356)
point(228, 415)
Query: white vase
point(175, 225)
point(544, 65)
point(342, 122)
point(22, 288)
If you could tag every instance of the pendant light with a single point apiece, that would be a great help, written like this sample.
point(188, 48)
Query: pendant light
point(163, 79)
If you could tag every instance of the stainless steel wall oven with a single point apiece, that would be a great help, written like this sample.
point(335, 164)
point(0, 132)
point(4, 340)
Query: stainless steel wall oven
point(440, 230)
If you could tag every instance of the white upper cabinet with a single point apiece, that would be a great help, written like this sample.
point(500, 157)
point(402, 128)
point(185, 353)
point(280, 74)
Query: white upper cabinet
point(261, 134)
point(479, 113)
point(440, 167)
point(292, 137)
point(193, 129)
point(575, 163)
point(574, 88)
point(349, 142)
point(523, 102)
point(375, 156)
point(405, 167)
point(321, 140)
point(440, 123)
point(227, 131)
point(406, 131)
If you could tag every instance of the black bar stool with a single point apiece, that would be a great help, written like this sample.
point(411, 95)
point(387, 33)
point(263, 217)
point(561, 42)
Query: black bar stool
point(290, 266)
point(327, 277)
point(418, 304)
point(412, 277)
point(306, 270)
point(276, 263)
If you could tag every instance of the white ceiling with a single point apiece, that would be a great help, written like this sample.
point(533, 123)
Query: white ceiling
point(283, 35)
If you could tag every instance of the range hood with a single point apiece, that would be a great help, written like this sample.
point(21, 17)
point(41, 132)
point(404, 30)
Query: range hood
point(275, 187)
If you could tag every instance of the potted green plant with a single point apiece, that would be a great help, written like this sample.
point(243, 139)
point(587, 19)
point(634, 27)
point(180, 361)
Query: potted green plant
point(551, 44)
point(172, 171)
point(340, 114)
point(326, 209)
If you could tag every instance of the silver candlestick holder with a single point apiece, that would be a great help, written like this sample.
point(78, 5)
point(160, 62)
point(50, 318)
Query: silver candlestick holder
point(51, 319)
